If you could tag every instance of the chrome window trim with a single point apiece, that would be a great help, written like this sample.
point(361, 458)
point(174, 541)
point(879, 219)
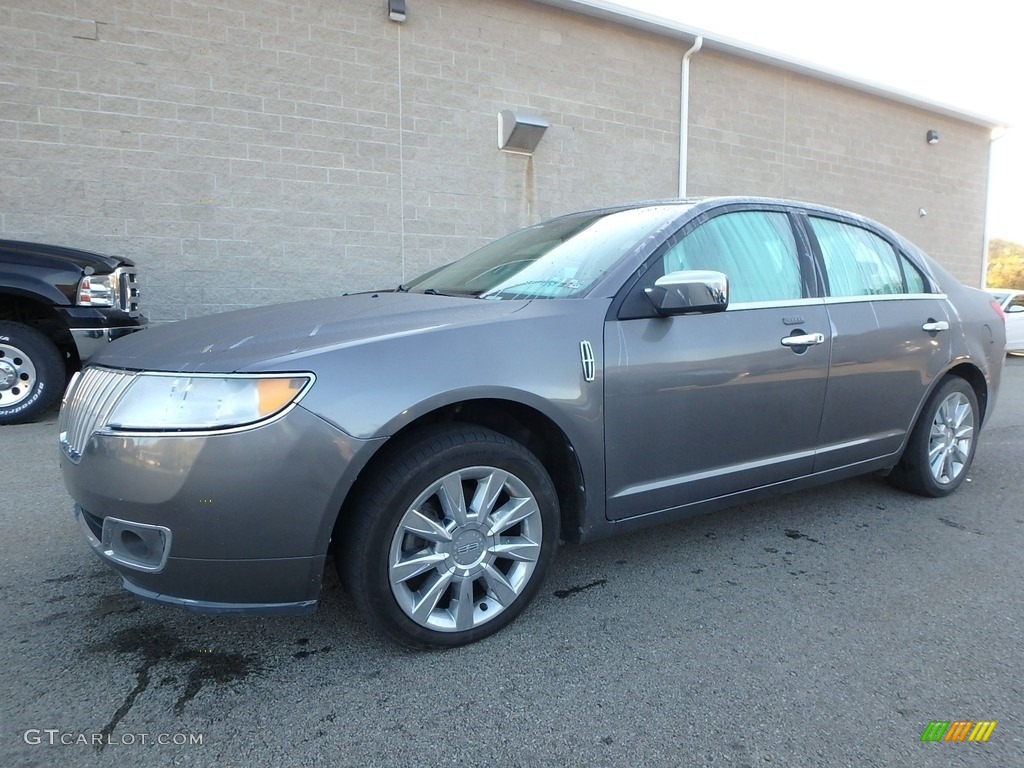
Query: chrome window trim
point(774, 304)
point(885, 297)
point(739, 306)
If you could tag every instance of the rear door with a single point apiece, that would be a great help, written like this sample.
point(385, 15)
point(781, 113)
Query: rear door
point(890, 339)
point(703, 405)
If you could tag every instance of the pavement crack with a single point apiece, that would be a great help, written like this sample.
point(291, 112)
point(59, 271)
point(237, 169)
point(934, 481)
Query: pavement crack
point(564, 593)
point(958, 526)
point(141, 684)
point(797, 535)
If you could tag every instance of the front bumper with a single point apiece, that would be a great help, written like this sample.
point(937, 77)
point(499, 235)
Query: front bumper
point(89, 341)
point(211, 584)
point(231, 522)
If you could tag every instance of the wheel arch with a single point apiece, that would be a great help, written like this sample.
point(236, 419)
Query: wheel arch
point(963, 369)
point(37, 312)
point(973, 376)
point(528, 426)
point(935, 464)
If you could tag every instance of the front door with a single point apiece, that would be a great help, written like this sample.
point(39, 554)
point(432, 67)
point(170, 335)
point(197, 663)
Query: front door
point(704, 405)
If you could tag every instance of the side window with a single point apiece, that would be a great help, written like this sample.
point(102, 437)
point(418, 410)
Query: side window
point(915, 280)
point(858, 262)
point(755, 249)
point(1016, 301)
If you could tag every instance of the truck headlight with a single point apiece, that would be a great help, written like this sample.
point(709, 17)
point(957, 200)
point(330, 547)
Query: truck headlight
point(169, 402)
point(98, 290)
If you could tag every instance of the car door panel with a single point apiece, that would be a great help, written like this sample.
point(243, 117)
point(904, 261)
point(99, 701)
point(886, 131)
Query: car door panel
point(883, 363)
point(699, 406)
point(890, 340)
point(705, 405)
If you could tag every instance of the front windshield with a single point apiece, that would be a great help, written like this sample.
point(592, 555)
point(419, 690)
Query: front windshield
point(559, 259)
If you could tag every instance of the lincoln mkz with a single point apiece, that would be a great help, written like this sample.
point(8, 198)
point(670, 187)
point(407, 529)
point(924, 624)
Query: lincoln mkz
point(590, 375)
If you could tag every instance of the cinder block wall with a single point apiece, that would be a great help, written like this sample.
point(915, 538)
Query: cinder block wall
point(776, 133)
point(248, 151)
point(252, 151)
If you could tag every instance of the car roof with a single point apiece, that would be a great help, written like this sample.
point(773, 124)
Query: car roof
point(716, 201)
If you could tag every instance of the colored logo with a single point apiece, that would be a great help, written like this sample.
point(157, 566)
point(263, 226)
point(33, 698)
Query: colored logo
point(958, 730)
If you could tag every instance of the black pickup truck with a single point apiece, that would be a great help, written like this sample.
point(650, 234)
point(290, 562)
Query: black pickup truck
point(58, 306)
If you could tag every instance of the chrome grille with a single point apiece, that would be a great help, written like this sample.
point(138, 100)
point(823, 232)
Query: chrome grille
point(128, 290)
point(87, 406)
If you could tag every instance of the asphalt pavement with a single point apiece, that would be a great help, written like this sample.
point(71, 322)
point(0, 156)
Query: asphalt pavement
point(825, 628)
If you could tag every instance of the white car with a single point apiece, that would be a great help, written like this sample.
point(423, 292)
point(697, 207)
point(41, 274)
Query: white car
point(1012, 303)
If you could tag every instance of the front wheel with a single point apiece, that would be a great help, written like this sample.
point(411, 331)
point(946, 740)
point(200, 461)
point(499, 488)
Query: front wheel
point(451, 538)
point(31, 373)
point(941, 448)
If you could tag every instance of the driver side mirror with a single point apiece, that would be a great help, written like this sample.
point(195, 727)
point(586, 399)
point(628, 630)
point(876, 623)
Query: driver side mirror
point(1015, 308)
point(678, 293)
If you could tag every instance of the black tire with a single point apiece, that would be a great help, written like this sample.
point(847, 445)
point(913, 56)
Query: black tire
point(936, 461)
point(32, 374)
point(479, 587)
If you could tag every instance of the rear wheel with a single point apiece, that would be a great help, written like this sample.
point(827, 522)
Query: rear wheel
point(941, 448)
point(451, 539)
point(31, 373)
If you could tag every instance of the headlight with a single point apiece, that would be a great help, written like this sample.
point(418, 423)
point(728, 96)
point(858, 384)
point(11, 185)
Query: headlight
point(97, 290)
point(160, 402)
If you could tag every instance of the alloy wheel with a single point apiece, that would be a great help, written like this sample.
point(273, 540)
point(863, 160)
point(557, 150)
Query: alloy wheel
point(950, 438)
point(465, 549)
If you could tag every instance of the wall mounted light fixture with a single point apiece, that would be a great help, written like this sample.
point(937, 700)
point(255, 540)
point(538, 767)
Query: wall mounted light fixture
point(933, 137)
point(519, 132)
point(396, 10)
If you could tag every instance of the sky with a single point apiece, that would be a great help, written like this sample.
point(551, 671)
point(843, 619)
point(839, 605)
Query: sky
point(966, 55)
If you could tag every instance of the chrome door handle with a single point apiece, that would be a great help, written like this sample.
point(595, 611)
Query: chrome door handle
point(804, 340)
point(934, 326)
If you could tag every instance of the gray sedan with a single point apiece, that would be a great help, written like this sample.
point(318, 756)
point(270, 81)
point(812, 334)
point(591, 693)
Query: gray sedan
point(594, 374)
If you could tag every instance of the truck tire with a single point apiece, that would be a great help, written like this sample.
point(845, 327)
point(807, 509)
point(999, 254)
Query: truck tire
point(32, 375)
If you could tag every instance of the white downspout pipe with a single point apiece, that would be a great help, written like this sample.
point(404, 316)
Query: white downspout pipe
point(684, 111)
point(997, 133)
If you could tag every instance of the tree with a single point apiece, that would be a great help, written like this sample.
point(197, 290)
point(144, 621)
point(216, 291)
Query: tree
point(1005, 265)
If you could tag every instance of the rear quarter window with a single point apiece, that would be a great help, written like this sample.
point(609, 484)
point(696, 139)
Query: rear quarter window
point(915, 280)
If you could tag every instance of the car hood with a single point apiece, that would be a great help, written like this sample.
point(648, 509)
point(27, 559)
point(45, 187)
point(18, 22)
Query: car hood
point(251, 338)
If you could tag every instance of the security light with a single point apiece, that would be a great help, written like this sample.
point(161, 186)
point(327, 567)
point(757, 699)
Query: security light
point(518, 132)
point(396, 10)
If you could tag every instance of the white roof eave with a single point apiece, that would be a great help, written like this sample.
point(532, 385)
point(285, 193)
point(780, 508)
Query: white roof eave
point(638, 19)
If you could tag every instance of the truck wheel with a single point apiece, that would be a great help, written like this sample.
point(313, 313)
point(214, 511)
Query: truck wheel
point(31, 373)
